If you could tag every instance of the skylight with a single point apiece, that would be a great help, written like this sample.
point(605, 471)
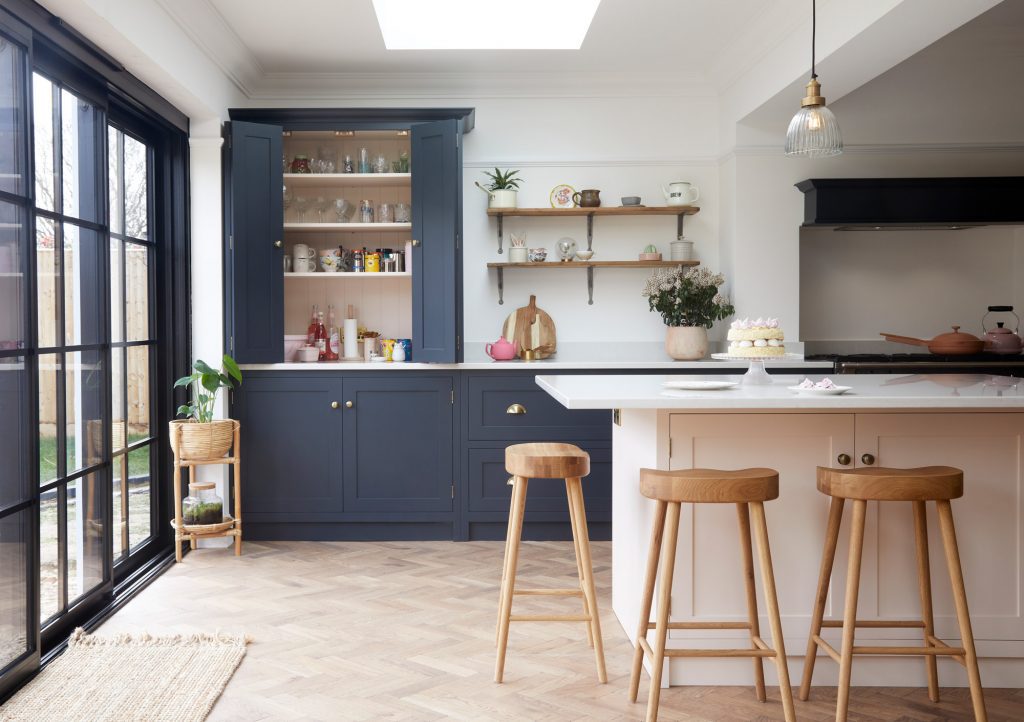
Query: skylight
point(484, 25)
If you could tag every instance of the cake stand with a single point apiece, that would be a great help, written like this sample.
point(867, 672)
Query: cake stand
point(756, 374)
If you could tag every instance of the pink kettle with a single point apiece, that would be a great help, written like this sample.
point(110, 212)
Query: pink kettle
point(502, 350)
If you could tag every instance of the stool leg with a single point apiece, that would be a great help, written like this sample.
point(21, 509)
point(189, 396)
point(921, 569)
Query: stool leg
point(504, 563)
point(650, 576)
point(743, 514)
point(828, 557)
point(850, 610)
point(579, 561)
point(924, 584)
point(956, 577)
point(519, 507)
point(668, 563)
point(771, 599)
point(582, 533)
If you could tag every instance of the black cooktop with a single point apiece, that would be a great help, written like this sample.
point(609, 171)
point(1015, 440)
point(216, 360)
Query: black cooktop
point(993, 358)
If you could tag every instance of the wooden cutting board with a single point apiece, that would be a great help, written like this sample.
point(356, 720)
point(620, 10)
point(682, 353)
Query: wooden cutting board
point(533, 328)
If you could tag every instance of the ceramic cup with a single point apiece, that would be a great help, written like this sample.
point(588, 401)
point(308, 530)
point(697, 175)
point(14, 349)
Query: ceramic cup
point(387, 348)
point(630, 200)
point(682, 250)
point(330, 260)
point(303, 258)
point(405, 343)
point(537, 254)
point(518, 255)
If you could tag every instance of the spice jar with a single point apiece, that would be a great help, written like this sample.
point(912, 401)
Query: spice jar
point(202, 505)
point(301, 164)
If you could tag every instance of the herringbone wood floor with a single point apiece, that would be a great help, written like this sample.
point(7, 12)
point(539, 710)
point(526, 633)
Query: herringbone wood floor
point(405, 631)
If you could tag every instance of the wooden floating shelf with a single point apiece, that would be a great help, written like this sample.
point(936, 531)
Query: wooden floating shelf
point(589, 265)
point(330, 180)
point(348, 227)
point(599, 211)
point(351, 275)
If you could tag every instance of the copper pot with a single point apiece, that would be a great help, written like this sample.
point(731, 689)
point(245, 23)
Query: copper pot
point(945, 344)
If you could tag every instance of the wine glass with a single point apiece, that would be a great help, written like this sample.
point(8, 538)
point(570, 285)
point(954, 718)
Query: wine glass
point(289, 199)
point(301, 206)
point(344, 210)
point(322, 206)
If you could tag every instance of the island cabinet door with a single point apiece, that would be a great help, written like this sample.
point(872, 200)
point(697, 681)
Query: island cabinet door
point(398, 452)
point(255, 223)
point(989, 518)
point(708, 583)
point(291, 448)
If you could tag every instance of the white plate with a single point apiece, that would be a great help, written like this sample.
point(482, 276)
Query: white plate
point(784, 357)
point(700, 385)
point(835, 391)
point(561, 196)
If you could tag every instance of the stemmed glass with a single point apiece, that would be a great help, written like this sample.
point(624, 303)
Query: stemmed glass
point(344, 210)
point(301, 206)
point(322, 206)
point(289, 200)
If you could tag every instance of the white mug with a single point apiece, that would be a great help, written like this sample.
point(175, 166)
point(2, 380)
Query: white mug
point(303, 258)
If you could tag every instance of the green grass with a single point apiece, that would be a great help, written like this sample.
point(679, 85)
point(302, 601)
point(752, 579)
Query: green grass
point(138, 461)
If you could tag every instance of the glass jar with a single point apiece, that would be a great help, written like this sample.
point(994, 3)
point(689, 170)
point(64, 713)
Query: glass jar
point(301, 164)
point(202, 505)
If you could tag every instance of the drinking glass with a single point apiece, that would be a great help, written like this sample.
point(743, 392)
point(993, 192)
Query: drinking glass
point(380, 165)
point(289, 200)
point(403, 212)
point(301, 206)
point(385, 213)
point(322, 206)
point(364, 161)
point(344, 210)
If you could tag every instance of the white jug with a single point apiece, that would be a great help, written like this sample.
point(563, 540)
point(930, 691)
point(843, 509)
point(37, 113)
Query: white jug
point(681, 193)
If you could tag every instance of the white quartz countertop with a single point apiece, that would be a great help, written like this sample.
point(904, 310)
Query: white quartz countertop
point(869, 391)
point(622, 355)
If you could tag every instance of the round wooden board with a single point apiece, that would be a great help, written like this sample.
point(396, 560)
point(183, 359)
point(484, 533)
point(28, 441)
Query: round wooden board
point(533, 328)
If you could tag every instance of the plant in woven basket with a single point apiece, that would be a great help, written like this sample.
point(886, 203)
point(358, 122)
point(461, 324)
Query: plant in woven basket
point(205, 382)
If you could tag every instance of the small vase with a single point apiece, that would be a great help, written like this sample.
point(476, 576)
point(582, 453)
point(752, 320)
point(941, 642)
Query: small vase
point(686, 343)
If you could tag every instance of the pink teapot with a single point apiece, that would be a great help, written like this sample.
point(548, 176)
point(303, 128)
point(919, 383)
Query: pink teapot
point(1002, 340)
point(502, 350)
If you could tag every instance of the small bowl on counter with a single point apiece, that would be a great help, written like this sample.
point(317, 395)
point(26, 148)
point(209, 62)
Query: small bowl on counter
point(307, 354)
point(537, 255)
point(584, 255)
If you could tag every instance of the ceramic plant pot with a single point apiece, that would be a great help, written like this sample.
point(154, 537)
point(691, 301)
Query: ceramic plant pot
point(502, 199)
point(686, 343)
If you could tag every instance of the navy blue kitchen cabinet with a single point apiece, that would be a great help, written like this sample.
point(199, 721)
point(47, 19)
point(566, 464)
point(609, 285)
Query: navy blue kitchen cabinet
point(399, 444)
point(254, 220)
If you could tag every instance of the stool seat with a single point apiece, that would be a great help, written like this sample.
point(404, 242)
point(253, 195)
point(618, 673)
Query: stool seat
point(926, 483)
point(710, 486)
point(547, 461)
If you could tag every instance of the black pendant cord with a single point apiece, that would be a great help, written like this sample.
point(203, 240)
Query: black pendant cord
point(814, 30)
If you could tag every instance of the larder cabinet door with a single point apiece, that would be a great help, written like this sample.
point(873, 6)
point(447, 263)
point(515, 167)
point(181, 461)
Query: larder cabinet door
point(398, 454)
point(436, 221)
point(255, 213)
point(989, 447)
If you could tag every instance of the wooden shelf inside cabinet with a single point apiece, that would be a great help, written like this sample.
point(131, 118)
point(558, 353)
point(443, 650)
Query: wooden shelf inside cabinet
point(589, 265)
point(348, 227)
point(332, 180)
point(680, 212)
point(350, 275)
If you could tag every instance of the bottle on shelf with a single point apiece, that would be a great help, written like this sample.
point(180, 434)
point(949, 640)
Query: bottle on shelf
point(332, 337)
point(321, 336)
point(311, 331)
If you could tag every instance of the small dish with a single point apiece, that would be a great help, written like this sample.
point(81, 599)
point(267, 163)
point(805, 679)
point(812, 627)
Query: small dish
point(834, 391)
point(650, 256)
point(700, 385)
point(584, 255)
point(628, 201)
point(537, 255)
point(561, 196)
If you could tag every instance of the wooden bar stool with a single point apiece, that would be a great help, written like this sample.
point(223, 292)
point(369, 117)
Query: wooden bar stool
point(929, 483)
point(548, 461)
point(747, 488)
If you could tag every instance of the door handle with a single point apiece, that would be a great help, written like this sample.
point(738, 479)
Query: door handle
point(868, 459)
point(843, 459)
point(515, 410)
point(278, 244)
point(334, 404)
point(415, 243)
point(348, 404)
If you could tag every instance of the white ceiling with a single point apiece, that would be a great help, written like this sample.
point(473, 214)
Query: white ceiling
point(691, 39)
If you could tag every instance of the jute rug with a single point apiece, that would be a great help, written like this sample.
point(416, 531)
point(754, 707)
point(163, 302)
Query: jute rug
point(175, 678)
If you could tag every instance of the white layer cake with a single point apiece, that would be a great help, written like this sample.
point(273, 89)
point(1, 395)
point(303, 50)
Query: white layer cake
point(757, 338)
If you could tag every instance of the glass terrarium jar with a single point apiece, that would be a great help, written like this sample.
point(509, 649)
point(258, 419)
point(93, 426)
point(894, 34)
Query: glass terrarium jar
point(202, 505)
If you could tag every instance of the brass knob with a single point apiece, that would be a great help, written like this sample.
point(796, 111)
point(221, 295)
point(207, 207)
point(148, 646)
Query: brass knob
point(867, 459)
point(415, 242)
point(516, 410)
point(278, 244)
point(843, 459)
point(348, 404)
point(334, 404)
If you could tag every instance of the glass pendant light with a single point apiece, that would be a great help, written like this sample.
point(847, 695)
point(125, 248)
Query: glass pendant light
point(814, 131)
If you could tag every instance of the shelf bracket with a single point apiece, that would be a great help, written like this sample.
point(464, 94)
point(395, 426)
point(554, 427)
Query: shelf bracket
point(590, 231)
point(501, 285)
point(500, 219)
point(590, 285)
point(679, 227)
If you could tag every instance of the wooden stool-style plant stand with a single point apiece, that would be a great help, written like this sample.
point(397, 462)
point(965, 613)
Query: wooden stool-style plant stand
point(232, 525)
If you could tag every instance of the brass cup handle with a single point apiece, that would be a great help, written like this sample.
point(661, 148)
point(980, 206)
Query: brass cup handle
point(278, 244)
point(515, 410)
point(844, 459)
point(415, 243)
point(334, 404)
point(867, 459)
point(348, 404)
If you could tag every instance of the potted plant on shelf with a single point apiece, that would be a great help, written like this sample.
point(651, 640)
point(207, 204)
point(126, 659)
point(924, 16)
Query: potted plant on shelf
point(201, 436)
point(689, 303)
point(502, 190)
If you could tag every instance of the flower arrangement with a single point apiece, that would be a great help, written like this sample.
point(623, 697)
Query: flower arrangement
point(688, 297)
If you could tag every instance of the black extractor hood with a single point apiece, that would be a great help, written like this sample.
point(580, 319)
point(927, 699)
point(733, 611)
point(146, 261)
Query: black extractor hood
point(894, 203)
